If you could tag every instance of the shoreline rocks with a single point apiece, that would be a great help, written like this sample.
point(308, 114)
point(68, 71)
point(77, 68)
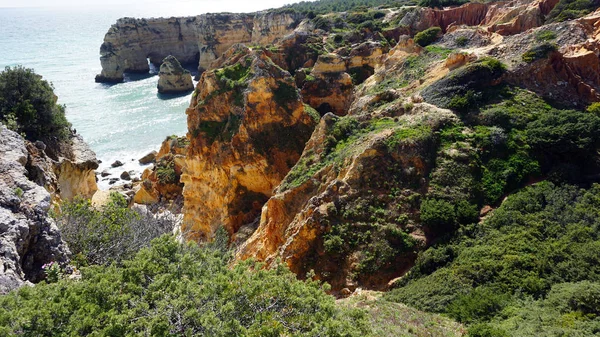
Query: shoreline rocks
point(173, 78)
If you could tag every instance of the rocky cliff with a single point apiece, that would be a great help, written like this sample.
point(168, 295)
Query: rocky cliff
point(350, 199)
point(29, 238)
point(247, 127)
point(173, 78)
point(131, 43)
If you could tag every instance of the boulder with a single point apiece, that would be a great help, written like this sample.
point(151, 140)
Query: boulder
point(173, 78)
point(148, 158)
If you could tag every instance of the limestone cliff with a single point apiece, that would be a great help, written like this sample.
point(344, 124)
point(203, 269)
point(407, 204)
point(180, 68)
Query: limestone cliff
point(173, 78)
point(131, 43)
point(66, 170)
point(29, 238)
point(247, 127)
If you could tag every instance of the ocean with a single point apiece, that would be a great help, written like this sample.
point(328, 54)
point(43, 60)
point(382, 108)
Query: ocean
point(120, 122)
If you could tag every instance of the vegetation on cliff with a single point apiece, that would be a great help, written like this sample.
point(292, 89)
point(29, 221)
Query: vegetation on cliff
point(531, 266)
point(171, 289)
point(28, 105)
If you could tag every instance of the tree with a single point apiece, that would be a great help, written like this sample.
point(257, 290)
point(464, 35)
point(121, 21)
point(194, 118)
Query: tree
point(28, 105)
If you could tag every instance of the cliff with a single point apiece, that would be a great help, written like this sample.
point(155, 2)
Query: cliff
point(247, 127)
point(173, 78)
point(131, 43)
point(28, 236)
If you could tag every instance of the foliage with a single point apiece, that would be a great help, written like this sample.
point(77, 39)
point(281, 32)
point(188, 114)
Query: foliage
point(545, 35)
point(28, 105)
point(438, 214)
point(394, 319)
point(441, 3)
point(465, 88)
point(533, 264)
point(53, 272)
point(539, 52)
point(107, 234)
point(462, 41)
point(571, 9)
point(165, 170)
point(284, 94)
point(428, 36)
point(171, 289)
point(328, 6)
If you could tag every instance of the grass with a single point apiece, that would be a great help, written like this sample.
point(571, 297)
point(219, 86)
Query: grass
point(395, 319)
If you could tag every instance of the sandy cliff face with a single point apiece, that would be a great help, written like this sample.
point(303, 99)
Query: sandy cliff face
point(29, 238)
point(131, 43)
point(247, 128)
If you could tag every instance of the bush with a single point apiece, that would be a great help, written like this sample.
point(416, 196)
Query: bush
point(171, 289)
point(486, 330)
point(581, 296)
point(109, 234)
point(481, 304)
point(571, 9)
point(428, 36)
point(437, 213)
point(28, 106)
point(539, 52)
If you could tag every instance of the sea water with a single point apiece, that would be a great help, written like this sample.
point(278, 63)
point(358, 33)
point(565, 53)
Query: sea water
point(122, 121)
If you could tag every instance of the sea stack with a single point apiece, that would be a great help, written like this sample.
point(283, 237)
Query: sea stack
point(173, 78)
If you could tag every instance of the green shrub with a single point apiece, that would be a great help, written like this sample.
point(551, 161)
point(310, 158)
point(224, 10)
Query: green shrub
point(571, 9)
point(170, 289)
point(28, 105)
point(481, 304)
point(462, 41)
point(594, 108)
point(539, 52)
point(428, 36)
point(545, 35)
point(437, 213)
point(107, 234)
point(284, 94)
point(565, 132)
point(486, 330)
point(581, 296)
point(165, 170)
point(542, 242)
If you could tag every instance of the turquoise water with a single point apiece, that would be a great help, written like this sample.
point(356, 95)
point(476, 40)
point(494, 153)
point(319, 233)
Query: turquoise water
point(122, 121)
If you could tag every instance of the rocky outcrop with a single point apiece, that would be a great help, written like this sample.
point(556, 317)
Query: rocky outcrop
point(336, 210)
point(173, 78)
point(247, 128)
point(131, 43)
point(161, 183)
point(66, 171)
point(502, 17)
point(29, 238)
point(330, 85)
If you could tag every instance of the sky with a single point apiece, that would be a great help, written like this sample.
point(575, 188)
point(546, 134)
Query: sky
point(199, 6)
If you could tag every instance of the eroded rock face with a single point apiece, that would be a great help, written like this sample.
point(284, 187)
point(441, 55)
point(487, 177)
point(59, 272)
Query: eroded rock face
point(322, 216)
point(68, 171)
point(247, 127)
point(173, 78)
point(161, 183)
point(131, 43)
point(29, 238)
point(330, 86)
point(505, 17)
